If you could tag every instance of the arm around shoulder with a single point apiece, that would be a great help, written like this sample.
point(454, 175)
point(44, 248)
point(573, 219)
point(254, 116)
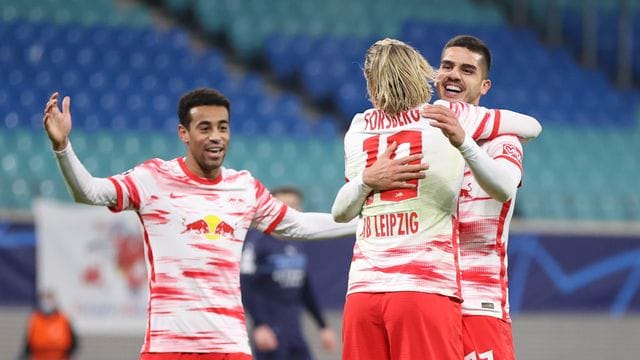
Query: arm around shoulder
point(523, 126)
point(349, 200)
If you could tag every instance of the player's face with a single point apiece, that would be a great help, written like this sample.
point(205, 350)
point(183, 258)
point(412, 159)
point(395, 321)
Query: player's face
point(207, 139)
point(461, 76)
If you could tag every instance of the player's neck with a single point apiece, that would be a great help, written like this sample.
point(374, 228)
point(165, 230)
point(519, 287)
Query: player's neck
point(198, 171)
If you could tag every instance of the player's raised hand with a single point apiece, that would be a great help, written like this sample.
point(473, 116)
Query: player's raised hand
point(57, 124)
point(446, 120)
point(388, 173)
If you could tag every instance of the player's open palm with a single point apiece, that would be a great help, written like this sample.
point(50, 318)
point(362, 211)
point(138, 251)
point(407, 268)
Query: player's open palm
point(57, 123)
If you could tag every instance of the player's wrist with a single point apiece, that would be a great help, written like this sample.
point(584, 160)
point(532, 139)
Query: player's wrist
point(60, 147)
point(365, 182)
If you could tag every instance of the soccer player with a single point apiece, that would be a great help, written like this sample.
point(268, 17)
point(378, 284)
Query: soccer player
point(275, 288)
point(195, 214)
point(404, 295)
point(486, 205)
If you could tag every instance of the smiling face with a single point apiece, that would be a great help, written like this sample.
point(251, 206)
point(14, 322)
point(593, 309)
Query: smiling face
point(207, 139)
point(462, 76)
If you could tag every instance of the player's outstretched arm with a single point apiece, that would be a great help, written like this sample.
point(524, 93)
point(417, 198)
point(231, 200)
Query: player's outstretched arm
point(299, 225)
point(453, 118)
point(81, 184)
point(523, 126)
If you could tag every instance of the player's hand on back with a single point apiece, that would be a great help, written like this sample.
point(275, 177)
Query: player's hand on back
point(57, 124)
point(446, 120)
point(388, 173)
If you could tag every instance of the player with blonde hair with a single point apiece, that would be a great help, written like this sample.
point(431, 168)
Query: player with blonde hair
point(403, 298)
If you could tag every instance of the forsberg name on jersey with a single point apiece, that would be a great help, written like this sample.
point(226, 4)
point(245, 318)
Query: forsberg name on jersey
point(397, 224)
point(377, 119)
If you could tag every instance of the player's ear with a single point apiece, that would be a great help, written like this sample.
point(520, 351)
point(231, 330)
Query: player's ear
point(486, 85)
point(183, 133)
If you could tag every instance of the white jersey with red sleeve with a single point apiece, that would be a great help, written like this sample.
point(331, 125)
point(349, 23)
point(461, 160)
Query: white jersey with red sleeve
point(407, 238)
point(194, 229)
point(484, 232)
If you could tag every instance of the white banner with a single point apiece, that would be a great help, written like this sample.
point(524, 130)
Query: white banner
point(94, 262)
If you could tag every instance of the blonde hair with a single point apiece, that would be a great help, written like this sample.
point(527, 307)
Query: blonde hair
point(398, 77)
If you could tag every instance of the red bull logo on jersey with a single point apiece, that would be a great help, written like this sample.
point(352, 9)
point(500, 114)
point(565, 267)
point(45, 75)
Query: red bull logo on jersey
point(211, 226)
point(465, 192)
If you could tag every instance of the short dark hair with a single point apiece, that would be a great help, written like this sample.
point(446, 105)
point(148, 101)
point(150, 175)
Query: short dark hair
point(200, 97)
point(472, 44)
point(287, 190)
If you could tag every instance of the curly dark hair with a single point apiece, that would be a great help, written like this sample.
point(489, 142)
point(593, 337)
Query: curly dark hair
point(200, 97)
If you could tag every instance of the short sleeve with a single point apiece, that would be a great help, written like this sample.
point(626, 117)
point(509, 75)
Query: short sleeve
point(130, 187)
point(269, 210)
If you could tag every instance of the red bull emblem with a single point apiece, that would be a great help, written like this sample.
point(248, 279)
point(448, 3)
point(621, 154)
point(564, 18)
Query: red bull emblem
point(466, 192)
point(212, 227)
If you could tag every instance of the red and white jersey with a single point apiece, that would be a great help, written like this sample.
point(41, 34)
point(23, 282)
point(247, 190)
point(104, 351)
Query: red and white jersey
point(194, 229)
point(407, 238)
point(484, 232)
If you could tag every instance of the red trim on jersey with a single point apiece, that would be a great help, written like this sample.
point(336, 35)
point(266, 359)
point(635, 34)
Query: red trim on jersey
point(456, 254)
point(451, 107)
point(152, 279)
point(496, 125)
point(480, 128)
point(516, 162)
point(283, 211)
point(134, 195)
point(503, 253)
point(119, 197)
point(194, 356)
point(197, 178)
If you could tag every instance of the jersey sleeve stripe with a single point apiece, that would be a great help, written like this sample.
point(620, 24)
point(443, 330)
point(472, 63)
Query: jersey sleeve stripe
point(509, 158)
point(119, 198)
point(496, 125)
point(134, 196)
point(480, 129)
point(283, 211)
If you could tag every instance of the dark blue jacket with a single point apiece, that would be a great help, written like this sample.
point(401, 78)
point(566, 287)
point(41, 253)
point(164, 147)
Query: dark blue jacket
point(276, 286)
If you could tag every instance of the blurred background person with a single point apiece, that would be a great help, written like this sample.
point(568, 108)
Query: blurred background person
point(50, 335)
point(275, 289)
